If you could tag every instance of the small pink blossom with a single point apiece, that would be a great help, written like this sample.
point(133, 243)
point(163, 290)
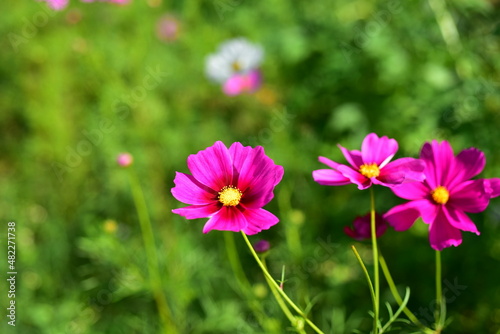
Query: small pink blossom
point(445, 196)
point(167, 28)
point(370, 166)
point(230, 187)
point(57, 4)
point(124, 159)
point(361, 227)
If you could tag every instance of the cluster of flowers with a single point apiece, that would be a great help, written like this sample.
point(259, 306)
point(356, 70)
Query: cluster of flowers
point(230, 187)
point(61, 4)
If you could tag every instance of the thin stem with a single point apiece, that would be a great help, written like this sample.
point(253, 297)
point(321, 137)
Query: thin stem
point(396, 294)
point(151, 254)
point(276, 286)
point(370, 285)
point(375, 262)
point(282, 303)
point(439, 295)
point(242, 280)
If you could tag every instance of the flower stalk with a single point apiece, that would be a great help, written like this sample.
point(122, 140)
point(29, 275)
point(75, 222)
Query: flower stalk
point(277, 288)
point(376, 303)
point(151, 254)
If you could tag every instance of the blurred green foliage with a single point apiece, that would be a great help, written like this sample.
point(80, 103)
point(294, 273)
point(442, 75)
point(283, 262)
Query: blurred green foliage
point(79, 86)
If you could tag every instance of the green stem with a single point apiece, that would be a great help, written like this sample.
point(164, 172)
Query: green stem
point(276, 286)
point(396, 294)
point(375, 262)
point(367, 275)
point(282, 304)
point(439, 295)
point(151, 254)
point(242, 280)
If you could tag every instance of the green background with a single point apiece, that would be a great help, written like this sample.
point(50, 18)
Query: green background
point(76, 90)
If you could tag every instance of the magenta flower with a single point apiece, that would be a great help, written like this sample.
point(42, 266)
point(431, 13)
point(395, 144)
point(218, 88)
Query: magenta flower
point(361, 230)
point(445, 196)
point(370, 166)
point(229, 186)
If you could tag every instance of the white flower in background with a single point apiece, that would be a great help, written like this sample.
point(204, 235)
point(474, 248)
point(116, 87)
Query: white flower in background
point(235, 66)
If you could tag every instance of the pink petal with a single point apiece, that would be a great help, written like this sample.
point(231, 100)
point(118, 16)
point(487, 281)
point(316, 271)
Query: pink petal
point(460, 220)
point(258, 220)
point(378, 150)
point(188, 190)
point(212, 166)
point(328, 162)
point(402, 217)
point(355, 177)
point(413, 169)
point(442, 234)
point(239, 154)
point(254, 80)
point(229, 218)
point(439, 160)
point(401, 171)
point(468, 163)
point(411, 191)
point(197, 211)
point(470, 196)
point(234, 85)
point(330, 177)
point(493, 187)
point(258, 177)
point(353, 157)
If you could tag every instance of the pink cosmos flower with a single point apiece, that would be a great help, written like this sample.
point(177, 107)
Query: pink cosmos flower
point(242, 83)
point(57, 4)
point(370, 166)
point(361, 230)
point(445, 196)
point(229, 186)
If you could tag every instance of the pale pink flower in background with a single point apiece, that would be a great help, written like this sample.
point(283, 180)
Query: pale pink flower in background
point(167, 28)
point(57, 4)
point(124, 159)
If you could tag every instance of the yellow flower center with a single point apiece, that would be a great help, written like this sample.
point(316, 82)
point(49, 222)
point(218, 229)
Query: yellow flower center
point(236, 66)
point(369, 170)
point(440, 195)
point(230, 196)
